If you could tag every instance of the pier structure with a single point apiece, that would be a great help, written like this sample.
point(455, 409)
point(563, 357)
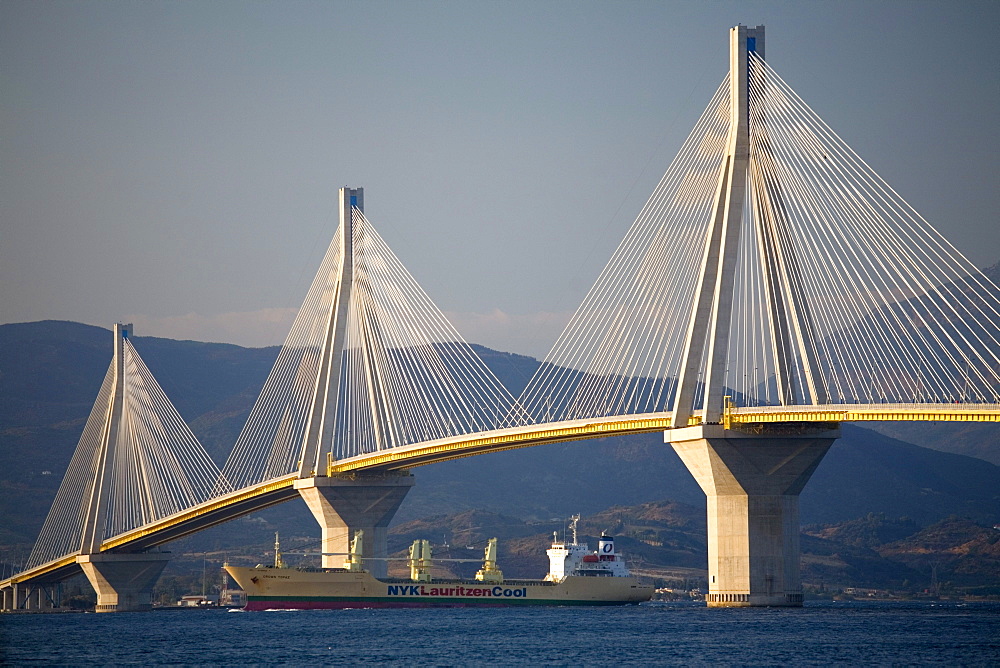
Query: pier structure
point(752, 483)
point(123, 581)
point(343, 506)
point(31, 596)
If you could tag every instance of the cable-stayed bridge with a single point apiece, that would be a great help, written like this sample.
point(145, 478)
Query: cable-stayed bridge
point(772, 287)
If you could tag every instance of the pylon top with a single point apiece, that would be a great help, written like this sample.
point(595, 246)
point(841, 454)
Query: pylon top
point(353, 197)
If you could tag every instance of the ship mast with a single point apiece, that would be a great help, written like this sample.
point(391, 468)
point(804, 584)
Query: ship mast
point(278, 561)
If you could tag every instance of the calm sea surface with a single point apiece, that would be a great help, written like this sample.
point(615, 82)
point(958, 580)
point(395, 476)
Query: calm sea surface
point(679, 634)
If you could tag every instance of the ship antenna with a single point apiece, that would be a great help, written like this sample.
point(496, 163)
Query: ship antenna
point(278, 561)
point(572, 524)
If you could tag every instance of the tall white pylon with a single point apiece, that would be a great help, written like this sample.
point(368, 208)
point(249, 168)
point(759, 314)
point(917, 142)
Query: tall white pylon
point(370, 364)
point(705, 354)
point(704, 346)
point(326, 395)
point(97, 502)
point(136, 462)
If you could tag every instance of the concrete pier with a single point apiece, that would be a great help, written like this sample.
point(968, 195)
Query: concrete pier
point(123, 582)
point(14, 596)
point(344, 505)
point(31, 596)
point(752, 481)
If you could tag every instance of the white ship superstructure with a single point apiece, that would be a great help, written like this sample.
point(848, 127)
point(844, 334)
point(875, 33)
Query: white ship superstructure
point(575, 558)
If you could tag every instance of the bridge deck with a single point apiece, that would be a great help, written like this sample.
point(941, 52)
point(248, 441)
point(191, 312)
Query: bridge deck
point(251, 499)
point(870, 413)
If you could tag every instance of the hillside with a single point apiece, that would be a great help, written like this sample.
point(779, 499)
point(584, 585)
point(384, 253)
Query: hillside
point(954, 549)
point(863, 472)
point(50, 373)
point(962, 438)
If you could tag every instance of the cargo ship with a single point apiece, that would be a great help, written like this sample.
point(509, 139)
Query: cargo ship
point(577, 576)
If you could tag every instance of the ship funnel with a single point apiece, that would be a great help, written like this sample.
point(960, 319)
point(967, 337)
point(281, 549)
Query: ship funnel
point(606, 548)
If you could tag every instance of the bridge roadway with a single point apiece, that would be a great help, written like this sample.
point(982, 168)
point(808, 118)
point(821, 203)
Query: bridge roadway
point(278, 490)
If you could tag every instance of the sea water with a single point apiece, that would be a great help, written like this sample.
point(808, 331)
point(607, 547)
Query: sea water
point(948, 633)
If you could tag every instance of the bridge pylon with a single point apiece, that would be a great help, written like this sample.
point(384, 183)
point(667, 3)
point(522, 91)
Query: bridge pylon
point(753, 477)
point(123, 582)
point(322, 417)
point(136, 463)
point(342, 506)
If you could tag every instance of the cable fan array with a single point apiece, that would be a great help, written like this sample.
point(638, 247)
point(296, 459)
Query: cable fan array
point(158, 466)
point(842, 293)
point(621, 352)
point(406, 375)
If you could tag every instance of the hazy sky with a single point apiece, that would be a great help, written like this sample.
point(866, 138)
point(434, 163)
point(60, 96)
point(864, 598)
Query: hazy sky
point(175, 164)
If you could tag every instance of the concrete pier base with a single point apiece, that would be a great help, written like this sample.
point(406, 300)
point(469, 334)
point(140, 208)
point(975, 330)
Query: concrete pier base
point(123, 582)
point(16, 596)
point(753, 481)
point(31, 596)
point(42, 596)
point(344, 505)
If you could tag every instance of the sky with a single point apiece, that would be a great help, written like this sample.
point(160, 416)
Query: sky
point(176, 164)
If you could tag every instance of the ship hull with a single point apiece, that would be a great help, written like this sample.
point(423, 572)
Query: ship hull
point(286, 589)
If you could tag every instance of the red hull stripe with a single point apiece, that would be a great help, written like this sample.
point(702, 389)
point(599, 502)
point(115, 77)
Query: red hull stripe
point(333, 603)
